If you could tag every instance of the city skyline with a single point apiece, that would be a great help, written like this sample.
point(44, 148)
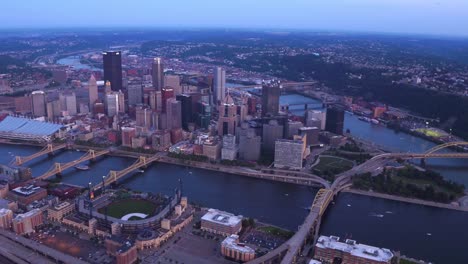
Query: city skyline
point(407, 17)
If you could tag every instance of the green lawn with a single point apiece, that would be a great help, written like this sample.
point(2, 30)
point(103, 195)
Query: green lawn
point(430, 132)
point(128, 206)
point(276, 231)
point(423, 183)
point(336, 164)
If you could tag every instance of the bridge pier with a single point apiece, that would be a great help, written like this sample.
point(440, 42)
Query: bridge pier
point(59, 175)
point(423, 163)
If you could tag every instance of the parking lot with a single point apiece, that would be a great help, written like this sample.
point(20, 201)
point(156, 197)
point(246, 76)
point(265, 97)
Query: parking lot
point(186, 248)
point(71, 244)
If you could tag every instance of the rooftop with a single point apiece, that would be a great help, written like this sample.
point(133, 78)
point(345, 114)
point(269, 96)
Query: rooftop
point(33, 212)
point(232, 243)
point(220, 217)
point(355, 249)
point(26, 190)
point(19, 125)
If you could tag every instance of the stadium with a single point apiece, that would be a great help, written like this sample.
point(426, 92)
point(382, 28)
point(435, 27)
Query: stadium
point(18, 128)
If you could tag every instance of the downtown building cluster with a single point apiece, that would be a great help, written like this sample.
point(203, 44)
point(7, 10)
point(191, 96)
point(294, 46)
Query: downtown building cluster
point(156, 111)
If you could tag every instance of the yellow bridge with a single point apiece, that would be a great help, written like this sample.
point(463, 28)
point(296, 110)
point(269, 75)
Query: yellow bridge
point(58, 168)
point(114, 176)
point(50, 148)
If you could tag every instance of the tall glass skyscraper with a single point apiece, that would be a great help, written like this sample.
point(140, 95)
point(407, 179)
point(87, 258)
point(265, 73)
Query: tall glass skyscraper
point(157, 73)
point(219, 85)
point(113, 69)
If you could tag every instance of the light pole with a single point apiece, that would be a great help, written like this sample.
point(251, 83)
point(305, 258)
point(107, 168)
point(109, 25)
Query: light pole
point(90, 201)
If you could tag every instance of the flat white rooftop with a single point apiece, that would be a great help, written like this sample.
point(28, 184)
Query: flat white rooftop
point(223, 218)
point(232, 243)
point(355, 249)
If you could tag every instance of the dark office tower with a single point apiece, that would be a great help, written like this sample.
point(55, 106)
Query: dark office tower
point(187, 109)
point(157, 73)
point(113, 69)
point(335, 120)
point(270, 98)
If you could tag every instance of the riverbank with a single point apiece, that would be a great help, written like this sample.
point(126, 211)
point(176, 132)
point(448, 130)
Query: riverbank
point(407, 200)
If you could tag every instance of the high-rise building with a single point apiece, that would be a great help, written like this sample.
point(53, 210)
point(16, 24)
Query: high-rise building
point(292, 128)
point(219, 85)
point(312, 116)
point(229, 149)
point(113, 69)
point(27, 222)
point(166, 94)
point(6, 217)
point(143, 116)
point(249, 143)
point(38, 99)
point(174, 114)
point(112, 104)
point(289, 153)
point(121, 98)
point(227, 120)
point(158, 74)
point(312, 135)
point(187, 109)
point(161, 140)
point(68, 104)
point(127, 134)
point(204, 114)
point(23, 104)
point(174, 82)
point(135, 94)
point(270, 98)
point(335, 120)
point(271, 132)
point(92, 91)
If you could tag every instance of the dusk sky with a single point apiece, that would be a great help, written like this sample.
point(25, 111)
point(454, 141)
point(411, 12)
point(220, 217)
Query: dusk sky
point(447, 17)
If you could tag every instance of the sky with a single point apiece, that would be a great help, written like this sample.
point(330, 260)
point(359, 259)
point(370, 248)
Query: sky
point(436, 17)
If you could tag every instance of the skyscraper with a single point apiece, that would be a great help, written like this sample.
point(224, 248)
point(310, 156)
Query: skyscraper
point(135, 94)
point(113, 69)
point(68, 103)
point(270, 98)
point(166, 94)
point(93, 91)
point(187, 113)
point(38, 103)
point(157, 72)
point(143, 116)
point(112, 104)
point(174, 114)
point(335, 120)
point(227, 120)
point(219, 83)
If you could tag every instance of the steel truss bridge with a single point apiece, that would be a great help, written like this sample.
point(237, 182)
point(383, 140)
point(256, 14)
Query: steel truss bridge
point(114, 176)
point(289, 251)
point(58, 168)
point(48, 149)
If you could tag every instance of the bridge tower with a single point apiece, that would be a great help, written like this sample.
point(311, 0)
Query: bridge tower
point(92, 152)
point(50, 148)
point(58, 169)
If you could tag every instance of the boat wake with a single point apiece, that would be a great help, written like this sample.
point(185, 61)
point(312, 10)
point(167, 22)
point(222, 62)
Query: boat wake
point(376, 215)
